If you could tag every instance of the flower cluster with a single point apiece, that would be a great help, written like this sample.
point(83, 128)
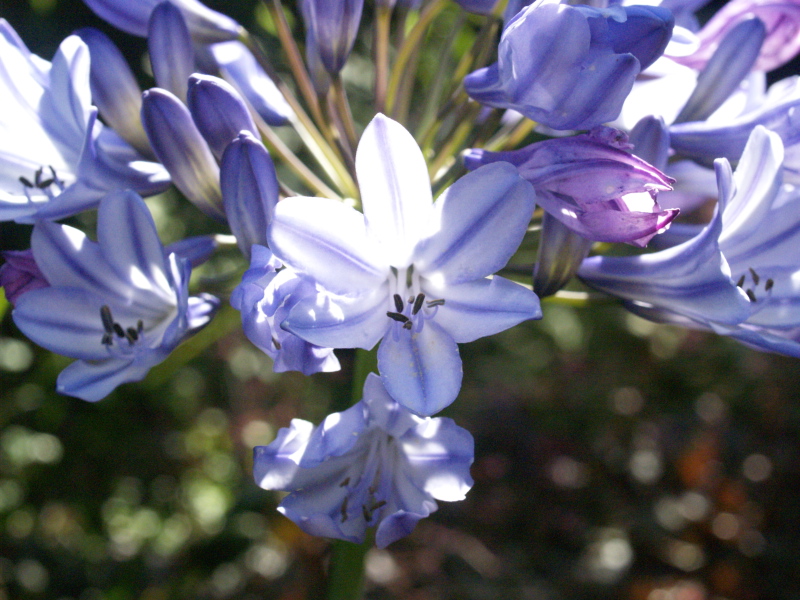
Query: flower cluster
point(374, 236)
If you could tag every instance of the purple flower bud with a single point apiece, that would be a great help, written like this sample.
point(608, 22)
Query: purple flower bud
point(114, 89)
point(592, 185)
point(332, 26)
point(171, 51)
point(249, 190)
point(782, 22)
point(238, 64)
point(20, 274)
point(571, 67)
point(561, 252)
point(218, 111)
point(650, 141)
point(133, 16)
point(182, 150)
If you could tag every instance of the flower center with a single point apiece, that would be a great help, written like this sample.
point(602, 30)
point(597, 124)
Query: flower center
point(756, 283)
point(42, 182)
point(115, 333)
point(411, 309)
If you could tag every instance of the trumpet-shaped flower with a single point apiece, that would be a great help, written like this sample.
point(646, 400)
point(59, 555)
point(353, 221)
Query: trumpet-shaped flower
point(120, 305)
point(373, 465)
point(740, 275)
point(571, 67)
point(408, 271)
point(265, 297)
point(56, 158)
point(591, 184)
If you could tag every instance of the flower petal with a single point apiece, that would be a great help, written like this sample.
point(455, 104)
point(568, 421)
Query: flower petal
point(327, 241)
point(478, 223)
point(93, 381)
point(421, 370)
point(170, 47)
point(395, 187)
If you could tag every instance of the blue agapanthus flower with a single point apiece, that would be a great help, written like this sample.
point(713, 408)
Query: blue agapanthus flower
point(409, 271)
point(739, 275)
point(571, 67)
point(56, 158)
point(120, 305)
point(373, 465)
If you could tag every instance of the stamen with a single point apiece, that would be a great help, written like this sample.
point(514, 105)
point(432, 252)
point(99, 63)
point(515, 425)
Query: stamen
point(367, 513)
point(108, 320)
point(432, 303)
point(345, 483)
point(24, 181)
point(409, 276)
point(418, 303)
point(398, 303)
point(751, 295)
point(343, 510)
point(139, 326)
point(131, 334)
point(119, 330)
point(276, 343)
point(107, 339)
point(378, 505)
point(754, 275)
point(768, 284)
point(397, 317)
point(740, 283)
point(408, 325)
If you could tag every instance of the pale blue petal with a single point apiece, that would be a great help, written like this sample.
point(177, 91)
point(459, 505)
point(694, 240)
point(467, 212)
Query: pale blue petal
point(63, 320)
point(478, 224)
point(275, 466)
point(421, 370)
point(484, 307)
point(196, 249)
point(335, 436)
point(352, 321)
point(327, 241)
point(384, 410)
point(94, 381)
point(395, 188)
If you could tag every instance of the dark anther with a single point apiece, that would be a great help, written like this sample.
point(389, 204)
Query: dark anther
point(768, 284)
point(409, 276)
point(751, 295)
point(119, 330)
point(345, 483)
point(408, 325)
point(108, 320)
point(131, 334)
point(755, 276)
point(397, 317)
point(740, 283)
point(432, 303)
point(367, 513)
point(106, 339)
point(139, 327)
point(24, 181)
point(418, 303)
point(398, 303)
point(344, 510)
point(372, 489)
point(276, 343)
point(378, 505)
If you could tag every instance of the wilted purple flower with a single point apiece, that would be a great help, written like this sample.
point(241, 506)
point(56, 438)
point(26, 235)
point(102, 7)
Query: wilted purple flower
point(571, 67)
point(56, 158)
point(739, 275)
point(19, 274)
point(591, 184)
point(265, 297)
point(133, 16)
point(372, 465)
point(408, 271)
point(120, 305)
point(331, 28)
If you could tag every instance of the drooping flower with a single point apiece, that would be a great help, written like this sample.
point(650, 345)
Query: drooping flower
point(571, 67)
point(737, 276)
point(408, 271)
point(592, 184)
point(119, 305)
point(265, 297)
point(372, 465)
point(56, 158)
